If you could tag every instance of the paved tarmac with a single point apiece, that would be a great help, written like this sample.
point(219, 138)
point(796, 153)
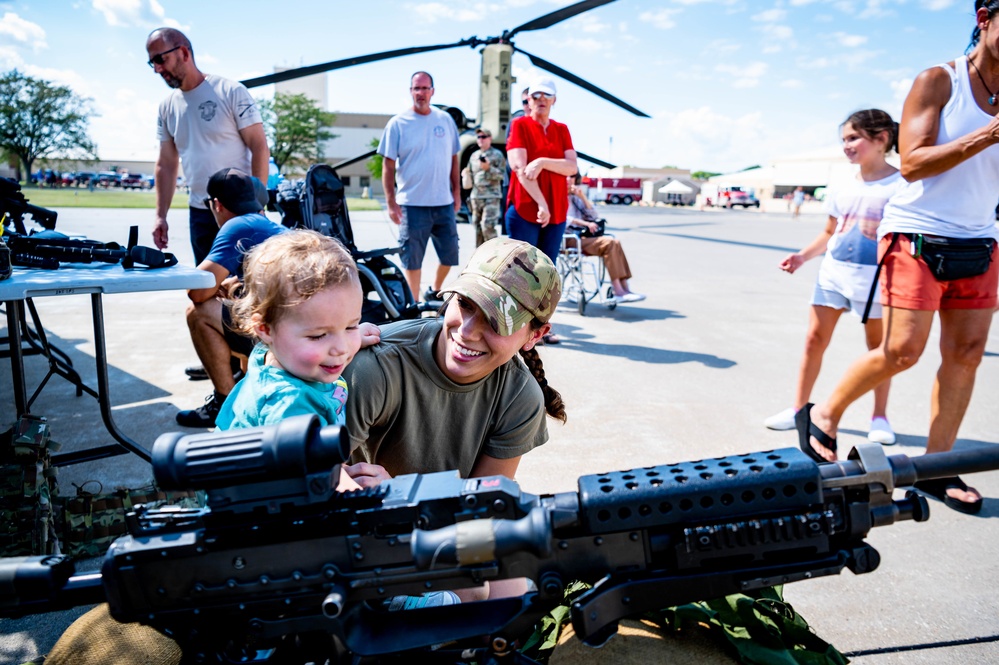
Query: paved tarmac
point(690, 373)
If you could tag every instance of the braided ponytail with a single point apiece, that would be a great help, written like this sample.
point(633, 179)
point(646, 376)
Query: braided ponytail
point(553, 399)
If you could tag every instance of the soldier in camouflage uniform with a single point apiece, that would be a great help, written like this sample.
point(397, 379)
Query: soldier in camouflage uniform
point(488, 167)
point(465, 391)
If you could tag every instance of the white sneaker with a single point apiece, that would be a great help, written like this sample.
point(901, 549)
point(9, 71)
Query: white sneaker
point(881, 432)
point(781, 421)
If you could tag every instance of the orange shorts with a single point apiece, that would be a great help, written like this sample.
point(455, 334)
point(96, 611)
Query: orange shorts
point(907, 283)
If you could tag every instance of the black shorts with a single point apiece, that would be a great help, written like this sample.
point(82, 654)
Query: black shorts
point(240, 344)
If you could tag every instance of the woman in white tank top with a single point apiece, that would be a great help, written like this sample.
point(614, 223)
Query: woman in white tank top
point(950, 160)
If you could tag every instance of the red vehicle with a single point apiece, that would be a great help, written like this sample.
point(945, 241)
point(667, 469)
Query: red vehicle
point(730, 197)
point(614, 190)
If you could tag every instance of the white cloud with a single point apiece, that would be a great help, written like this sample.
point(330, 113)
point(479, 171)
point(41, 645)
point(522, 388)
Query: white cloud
point(431, 12)
point(662, 19)
point(777, 37)
point(770, 15)
point(791, 83)
point(590, 24)
point(900, 90)
point(20, 30)
point(938, 5)
point(127, 125)
point(134, 13)
point(851, 41)
point(585, 45)
point(67, 77)
point(746, 75)
point(878, 9)
point(721, 46)
point(704, 138)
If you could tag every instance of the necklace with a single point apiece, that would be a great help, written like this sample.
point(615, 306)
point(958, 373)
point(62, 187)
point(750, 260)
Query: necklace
point(992, 95)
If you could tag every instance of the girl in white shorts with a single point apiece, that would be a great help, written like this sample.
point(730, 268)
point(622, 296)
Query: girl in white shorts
point(851, 256)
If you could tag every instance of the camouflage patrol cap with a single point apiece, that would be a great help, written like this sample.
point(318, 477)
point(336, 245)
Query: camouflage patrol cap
point(512, 282)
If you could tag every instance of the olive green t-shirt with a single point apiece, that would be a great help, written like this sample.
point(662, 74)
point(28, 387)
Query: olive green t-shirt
point(406, 415)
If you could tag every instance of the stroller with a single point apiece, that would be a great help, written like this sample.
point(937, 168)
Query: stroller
point(318, 203)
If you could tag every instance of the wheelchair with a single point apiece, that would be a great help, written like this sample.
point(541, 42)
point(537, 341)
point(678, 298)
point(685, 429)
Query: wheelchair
point(584, 278)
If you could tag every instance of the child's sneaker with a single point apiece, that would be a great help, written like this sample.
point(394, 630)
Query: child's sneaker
point(434, 599)
point(881, 432)
point(781, 421)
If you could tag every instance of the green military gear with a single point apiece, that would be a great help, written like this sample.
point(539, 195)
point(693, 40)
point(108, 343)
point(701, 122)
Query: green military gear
point(487, 183)
point(27, 490)
point(485, 217)
point(93, 520)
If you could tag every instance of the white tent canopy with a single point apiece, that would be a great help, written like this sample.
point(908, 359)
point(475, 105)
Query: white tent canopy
point(675, 187)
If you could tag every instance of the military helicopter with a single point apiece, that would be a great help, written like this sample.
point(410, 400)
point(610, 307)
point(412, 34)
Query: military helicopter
point(495, 84)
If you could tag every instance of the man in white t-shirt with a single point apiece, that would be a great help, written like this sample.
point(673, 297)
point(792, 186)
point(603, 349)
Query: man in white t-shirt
point(209, 123)
point(420, 151)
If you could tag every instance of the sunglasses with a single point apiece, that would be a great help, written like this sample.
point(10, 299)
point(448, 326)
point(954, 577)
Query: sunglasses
point(539, 95)
point(158, 58)
point(524, 102)
point(208, 202)
point(481, 136)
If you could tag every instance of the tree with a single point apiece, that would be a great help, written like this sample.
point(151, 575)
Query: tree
point(296, 128)
point(375, 163)
point(703, 175)
point(40, 119)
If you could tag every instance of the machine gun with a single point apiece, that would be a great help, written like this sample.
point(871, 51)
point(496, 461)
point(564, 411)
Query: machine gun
point(280, 563)
point(15, 206)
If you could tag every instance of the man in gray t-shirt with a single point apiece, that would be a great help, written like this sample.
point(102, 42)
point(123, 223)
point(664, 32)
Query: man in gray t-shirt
point(420, 151)
point(208, 122)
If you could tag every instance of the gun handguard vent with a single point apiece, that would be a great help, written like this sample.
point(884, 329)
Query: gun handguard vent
point(713, 489)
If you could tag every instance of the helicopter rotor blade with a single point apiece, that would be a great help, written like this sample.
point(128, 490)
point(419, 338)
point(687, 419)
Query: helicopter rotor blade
point(594, 160)
point(557, 16)
point(569, 76)
point(349, 62)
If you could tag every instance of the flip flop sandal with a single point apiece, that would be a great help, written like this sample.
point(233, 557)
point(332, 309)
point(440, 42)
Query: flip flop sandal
point(937, 488)
point(806, 430)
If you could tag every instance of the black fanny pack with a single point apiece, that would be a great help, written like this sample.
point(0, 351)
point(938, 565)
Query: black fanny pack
point(947, 258)
point(953, 258)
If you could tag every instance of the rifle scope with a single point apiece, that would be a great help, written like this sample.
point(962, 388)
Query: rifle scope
point(294, 448)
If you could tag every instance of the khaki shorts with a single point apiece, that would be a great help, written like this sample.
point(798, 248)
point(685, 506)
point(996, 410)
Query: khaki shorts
point(907, 283)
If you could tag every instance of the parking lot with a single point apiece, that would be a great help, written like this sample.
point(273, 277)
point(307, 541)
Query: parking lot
point(690, 373)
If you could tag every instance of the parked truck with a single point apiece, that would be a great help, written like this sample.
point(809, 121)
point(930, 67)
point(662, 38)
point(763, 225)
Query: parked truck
point(614, 190)
point(729, 197)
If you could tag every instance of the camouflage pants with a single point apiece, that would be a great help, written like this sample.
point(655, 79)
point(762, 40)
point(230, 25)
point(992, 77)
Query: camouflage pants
point(485, 217)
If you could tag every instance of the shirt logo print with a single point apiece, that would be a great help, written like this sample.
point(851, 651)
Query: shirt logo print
point(207, 110)
point(438, 131)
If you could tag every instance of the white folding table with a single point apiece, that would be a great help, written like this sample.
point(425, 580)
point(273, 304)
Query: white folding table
point(25, 284)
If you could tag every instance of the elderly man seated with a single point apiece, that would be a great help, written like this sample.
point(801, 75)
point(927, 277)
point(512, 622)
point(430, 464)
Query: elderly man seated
point(236, 201)
point(582, 215)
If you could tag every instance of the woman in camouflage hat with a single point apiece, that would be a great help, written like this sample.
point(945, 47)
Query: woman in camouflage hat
point(466, 390)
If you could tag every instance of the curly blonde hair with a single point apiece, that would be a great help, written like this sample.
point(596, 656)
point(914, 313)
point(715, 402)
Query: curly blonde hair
point(286, 270)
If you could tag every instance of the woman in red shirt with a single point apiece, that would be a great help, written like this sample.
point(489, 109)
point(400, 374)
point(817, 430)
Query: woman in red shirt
point(541, 155)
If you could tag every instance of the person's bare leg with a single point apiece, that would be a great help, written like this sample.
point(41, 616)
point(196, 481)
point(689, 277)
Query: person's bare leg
point(821, 324)
point(963, 334)
point(874, 332)
point(413, 279)
point(205, 322)
point(905, 339)
point(441, 275)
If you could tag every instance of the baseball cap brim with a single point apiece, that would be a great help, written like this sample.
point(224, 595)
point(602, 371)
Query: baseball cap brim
point(504, 313)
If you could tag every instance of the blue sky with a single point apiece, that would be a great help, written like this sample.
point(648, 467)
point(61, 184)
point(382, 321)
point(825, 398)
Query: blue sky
point(729, 83)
